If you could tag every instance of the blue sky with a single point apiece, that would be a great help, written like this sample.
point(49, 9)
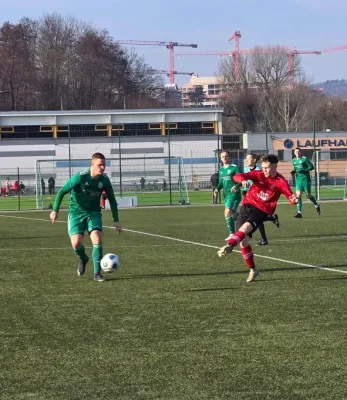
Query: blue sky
point(304, 24)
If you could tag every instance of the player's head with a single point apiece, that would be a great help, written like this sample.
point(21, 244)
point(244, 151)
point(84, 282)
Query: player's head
point(269, 165)
point(98, 164)
point(297, 152)
point(225, 157)
point(251, 160)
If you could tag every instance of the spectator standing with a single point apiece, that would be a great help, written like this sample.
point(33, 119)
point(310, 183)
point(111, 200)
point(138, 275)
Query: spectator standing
point(51, 185)
point(214, 183)
point(43, 186)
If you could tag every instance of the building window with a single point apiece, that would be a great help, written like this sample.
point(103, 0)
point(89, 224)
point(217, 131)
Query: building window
point(338, 154)
point(46, 128)
point(280, 155)
point(63, 128)
point(7, 129)
point(101, 127)
point(118, 127)
point(154, 126)
point(171, 125)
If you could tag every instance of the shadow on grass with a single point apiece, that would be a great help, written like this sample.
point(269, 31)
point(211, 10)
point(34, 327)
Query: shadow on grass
point(222, 273)
point(212, 289)
point(31, 237)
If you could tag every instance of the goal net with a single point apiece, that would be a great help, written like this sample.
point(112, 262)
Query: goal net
point(153, 180)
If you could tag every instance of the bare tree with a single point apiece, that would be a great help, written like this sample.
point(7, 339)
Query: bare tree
point(17, 69)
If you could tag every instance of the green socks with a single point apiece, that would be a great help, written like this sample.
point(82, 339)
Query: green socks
point(230, 224)
point(97, 256)
point(81, 253)
point(311, 198)
point(299, 205)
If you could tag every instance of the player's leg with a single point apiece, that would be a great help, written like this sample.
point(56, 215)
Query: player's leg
point(307, 189)
point(244, 228)
point(263, 241)
point(76, 228)
point(228, 215)
point(95, 232)
point(248, 256)
point(230, 211)
point(299, 191)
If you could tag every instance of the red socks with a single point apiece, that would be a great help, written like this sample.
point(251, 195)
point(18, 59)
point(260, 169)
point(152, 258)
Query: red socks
point(236, 238)
point(248, 256)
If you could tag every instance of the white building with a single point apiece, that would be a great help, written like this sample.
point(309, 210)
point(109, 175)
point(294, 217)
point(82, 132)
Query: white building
point(211, 89)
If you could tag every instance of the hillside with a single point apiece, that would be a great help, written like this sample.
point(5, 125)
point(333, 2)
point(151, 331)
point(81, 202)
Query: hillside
point(337, 87)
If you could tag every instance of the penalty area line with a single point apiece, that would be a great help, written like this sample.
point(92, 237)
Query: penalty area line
point(193, 243)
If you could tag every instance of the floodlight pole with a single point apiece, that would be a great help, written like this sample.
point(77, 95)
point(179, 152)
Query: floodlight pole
point(169, 154)
point(315, 159)
point(69, 143)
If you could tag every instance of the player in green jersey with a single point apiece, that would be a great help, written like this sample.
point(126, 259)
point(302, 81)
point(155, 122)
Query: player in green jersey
point(302, 168)
point(85, 189)
point(231, 190)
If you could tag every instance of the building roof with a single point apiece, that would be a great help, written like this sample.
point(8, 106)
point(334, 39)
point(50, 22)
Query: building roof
point(85, 117)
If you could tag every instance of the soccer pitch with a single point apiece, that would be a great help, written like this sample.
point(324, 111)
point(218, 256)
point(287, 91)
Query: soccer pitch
point(175, 322)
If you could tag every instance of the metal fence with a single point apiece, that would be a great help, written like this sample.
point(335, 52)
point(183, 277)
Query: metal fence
point(138, 157)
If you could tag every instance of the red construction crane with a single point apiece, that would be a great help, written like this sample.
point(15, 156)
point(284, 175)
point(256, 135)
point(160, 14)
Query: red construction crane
point(291, 57)
point(331, 49)
point(236, 54)
point(291, 53)
point(169, 45)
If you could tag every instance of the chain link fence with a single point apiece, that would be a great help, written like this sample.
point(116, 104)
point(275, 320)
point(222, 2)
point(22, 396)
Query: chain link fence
point(138, 169)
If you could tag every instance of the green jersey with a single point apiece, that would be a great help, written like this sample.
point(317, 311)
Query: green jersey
point(226, 179)
point(302, 167)
point(85, 192)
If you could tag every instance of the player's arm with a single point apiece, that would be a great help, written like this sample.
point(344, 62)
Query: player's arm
point(287, 192)
point(309, 166)
point(237, 185)
point(245, 177)
point(220, 183)
point(70, 184)
point(114, 206)
point(293, 172)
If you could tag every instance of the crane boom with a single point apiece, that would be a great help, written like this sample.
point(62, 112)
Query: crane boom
point(169, 45)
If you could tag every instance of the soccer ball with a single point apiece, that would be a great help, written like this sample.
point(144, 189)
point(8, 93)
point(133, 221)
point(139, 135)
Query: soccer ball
point(109, 262)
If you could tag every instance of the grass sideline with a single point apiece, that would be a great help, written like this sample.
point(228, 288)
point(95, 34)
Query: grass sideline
point(175, 322)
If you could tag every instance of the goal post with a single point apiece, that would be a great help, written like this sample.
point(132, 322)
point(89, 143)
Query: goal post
point(154, 180)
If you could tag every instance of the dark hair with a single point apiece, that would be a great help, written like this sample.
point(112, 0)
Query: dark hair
point(98, 156)
point(297, 148)
point(256, 157)
point(271, 158)
point(225, 151)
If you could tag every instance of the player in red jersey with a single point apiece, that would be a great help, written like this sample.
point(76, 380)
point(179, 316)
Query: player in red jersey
point(259, 202)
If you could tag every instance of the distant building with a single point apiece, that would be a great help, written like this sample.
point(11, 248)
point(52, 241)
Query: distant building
point(211, 88)
point(172, 96)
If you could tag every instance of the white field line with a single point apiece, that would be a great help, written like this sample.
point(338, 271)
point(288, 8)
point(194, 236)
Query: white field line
point(87, 247)
point(194, 243)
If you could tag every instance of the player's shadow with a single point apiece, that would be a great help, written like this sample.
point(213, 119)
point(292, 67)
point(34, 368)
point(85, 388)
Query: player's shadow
point(212, 289)
point(31, 237)
point(178, 275)
point(216, 273)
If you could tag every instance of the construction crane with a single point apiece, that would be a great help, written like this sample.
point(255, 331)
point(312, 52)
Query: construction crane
point(291, 53)
point(236, 53)
point(169, 45)
point(331, 49)
point(167, 72)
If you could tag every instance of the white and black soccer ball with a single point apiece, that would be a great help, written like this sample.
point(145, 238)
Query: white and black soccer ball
point(109, 262)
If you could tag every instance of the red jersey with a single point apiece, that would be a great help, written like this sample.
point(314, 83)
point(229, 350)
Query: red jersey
point(265, 192)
